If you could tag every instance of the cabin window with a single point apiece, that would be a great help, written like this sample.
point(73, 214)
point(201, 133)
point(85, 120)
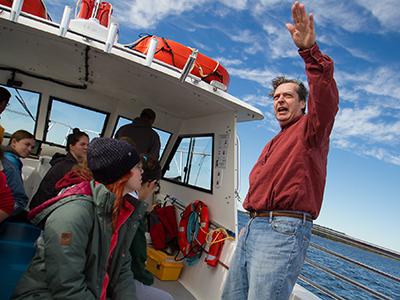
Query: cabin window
point(21, 111)
point(65, 116)
point(164, 135)
point(190, 162)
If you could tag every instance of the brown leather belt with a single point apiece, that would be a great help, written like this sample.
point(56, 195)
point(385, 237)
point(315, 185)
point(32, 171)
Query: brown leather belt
point(298, 215)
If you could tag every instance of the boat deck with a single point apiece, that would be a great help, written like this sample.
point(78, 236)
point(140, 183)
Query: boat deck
point(175, 288)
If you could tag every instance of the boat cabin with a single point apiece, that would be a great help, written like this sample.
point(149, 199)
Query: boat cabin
point(65, 79)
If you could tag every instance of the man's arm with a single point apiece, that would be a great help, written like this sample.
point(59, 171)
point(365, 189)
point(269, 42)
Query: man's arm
point(323, 98)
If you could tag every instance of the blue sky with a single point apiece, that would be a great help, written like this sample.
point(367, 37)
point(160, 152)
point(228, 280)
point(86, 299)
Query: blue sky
point(249, 38)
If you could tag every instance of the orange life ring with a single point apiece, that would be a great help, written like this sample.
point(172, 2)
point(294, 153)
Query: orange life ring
point(176, 54)
point(191, 248)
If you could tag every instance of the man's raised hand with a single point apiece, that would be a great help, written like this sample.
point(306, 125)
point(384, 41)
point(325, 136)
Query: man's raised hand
point(302, 31)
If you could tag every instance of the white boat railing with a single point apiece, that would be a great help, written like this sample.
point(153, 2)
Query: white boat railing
point(344, 278)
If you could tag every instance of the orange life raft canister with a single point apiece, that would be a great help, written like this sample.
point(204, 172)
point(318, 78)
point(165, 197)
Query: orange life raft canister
point(33, 7)
point(190, 247)
point(176, 54)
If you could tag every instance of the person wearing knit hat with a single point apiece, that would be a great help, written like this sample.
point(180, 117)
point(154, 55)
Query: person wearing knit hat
point(87, 231)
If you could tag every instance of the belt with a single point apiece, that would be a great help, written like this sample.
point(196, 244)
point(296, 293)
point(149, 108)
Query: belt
point(298, 215)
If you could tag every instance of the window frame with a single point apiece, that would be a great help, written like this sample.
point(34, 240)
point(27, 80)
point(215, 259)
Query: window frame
point(166, 144)
point(37, 109)
point(49, 107)
point(171, 156)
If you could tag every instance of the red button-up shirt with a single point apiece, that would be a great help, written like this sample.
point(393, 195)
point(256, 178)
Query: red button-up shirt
point(291, 170)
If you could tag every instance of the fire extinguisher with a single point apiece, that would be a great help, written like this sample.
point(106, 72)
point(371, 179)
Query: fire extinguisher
point(215, 249)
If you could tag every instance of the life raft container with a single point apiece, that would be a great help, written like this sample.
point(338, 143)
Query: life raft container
point(191, 240)
point(33, 7)
point(176, 54)
point(103, 13)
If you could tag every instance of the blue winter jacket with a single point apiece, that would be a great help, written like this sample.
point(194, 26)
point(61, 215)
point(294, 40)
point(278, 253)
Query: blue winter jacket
point(14, 181)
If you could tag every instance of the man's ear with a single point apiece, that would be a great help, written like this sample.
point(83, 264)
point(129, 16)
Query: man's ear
point(303, 104)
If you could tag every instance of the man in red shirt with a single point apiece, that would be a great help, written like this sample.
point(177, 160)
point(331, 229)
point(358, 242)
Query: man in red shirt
point(287, 182)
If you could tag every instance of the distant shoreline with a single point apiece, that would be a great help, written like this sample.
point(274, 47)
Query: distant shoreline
point(346, 239)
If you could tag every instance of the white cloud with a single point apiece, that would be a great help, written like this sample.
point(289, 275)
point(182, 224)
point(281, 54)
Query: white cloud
point(261, 76)
point(334, 40)
point(243, 36)
point(235, 4)
point(366, 123)
point(382, 81)
point(386, 11)
point(146, 14)
point(279, 42)
point(344, 15)
point(259, 100)
point(260, 7)
point(383, 154)
point(363, 131)
point(228, 62)
point(346, 94)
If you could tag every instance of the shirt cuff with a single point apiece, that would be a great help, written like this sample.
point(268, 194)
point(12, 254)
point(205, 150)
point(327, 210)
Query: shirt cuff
point(311, 54)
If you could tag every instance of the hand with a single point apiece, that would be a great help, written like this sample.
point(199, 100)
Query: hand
point(302, 31)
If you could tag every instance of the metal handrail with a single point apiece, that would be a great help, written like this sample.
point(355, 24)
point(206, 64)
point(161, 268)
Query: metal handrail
point(355, 262)
point(346, 279)
point(321, 288)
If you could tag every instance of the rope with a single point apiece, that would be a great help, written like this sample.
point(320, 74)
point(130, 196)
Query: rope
point(191, 235)
point(210, 240)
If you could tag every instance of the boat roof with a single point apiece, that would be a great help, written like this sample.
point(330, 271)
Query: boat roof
point(120, 74)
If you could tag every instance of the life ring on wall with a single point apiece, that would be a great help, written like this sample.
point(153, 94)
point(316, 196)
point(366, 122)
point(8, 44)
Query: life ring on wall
point(193, 229)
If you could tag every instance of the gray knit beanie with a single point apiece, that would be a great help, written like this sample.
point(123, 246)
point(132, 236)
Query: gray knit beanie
point(110, 159)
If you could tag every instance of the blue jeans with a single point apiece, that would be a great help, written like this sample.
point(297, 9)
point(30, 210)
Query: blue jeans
point(268, 259)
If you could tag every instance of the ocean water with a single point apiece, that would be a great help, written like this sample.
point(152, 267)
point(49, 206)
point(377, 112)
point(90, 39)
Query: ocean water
point(370, 279)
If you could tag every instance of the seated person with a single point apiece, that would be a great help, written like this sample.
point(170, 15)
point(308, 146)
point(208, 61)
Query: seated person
point(77, 143)
point(16, 185)
point(20, 146)
point(83, 252)
point(143, 278)
point(6, 197)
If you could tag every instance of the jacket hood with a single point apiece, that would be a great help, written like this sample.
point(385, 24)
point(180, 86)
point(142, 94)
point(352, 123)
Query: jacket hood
point(91, 191)
point(58, 157)
point(40, 212)
point(72, 177)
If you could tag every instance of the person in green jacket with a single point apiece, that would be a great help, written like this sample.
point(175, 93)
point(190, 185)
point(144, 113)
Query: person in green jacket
point(83, 251)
